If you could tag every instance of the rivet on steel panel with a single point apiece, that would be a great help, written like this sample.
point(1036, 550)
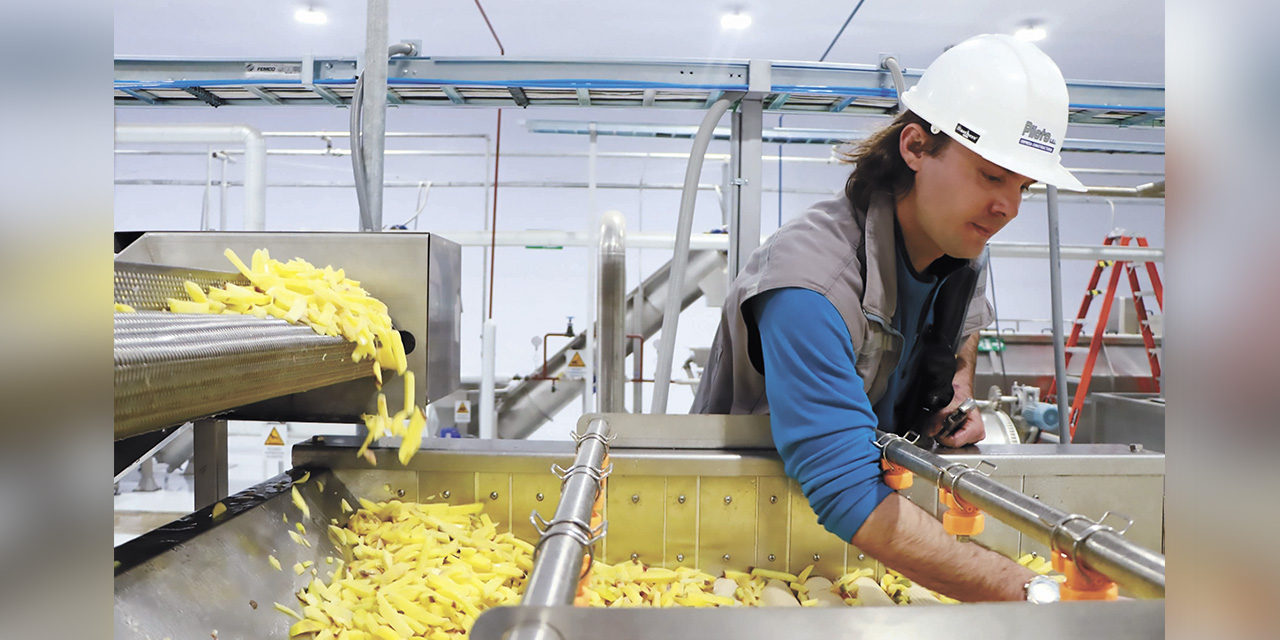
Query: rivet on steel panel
point(773, 499)
point(635, 556)
point(817, 558)
point(493, 495)
point(539, 497)
point(728, 499)
point(680, 499)
point(772, 557)
point(445, 494)
point(400, 493)
point(679, 557)
point(862, 556)
point(726, 557)
point(635, 498)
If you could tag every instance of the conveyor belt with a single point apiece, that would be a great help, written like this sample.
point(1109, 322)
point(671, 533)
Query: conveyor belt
point(170, 368)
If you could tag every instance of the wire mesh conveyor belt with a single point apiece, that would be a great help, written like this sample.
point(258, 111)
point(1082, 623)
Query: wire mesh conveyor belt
point(170, 368)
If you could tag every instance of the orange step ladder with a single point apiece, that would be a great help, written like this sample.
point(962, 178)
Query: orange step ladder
point(1108, 297)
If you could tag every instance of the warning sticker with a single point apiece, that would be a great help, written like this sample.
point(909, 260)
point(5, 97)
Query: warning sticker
point(462, 411)
point(577, 367)
point(274, 439)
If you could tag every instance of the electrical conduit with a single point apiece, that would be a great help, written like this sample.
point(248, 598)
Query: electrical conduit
point(680, 259)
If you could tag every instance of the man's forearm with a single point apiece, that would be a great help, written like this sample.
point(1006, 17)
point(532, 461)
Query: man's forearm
point(904, 537)
point(966, 365)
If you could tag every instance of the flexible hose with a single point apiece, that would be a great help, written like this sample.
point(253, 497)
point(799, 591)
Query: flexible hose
point(899, 83)
point(684, 228)
point(357, 154)
point(357, 138)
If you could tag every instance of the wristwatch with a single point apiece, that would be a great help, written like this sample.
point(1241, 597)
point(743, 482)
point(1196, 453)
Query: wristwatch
point(1042, 590)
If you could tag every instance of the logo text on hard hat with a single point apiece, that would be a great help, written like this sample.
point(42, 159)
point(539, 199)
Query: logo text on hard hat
point(1036, 137)
point(967, 133)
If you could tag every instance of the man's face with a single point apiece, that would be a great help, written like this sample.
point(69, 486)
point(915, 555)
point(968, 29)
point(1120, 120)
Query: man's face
point(963, 199)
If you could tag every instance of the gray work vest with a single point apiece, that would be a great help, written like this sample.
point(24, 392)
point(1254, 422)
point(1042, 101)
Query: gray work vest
point(845, 254)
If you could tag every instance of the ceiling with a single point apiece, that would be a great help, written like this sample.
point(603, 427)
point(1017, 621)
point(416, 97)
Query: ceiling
point(1090, 39)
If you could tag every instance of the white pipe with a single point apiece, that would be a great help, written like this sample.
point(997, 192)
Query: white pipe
point(720, 242)
point(222, 194)
point(255, 153)
point(488, 428)
point(589, 348)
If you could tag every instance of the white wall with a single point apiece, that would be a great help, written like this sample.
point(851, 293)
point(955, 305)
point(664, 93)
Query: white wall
point(536, 290)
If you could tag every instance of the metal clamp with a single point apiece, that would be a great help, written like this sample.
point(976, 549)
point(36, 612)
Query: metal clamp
point(595, 474)
point(1127, 519)
point(1095, 528)
point(578, 439)
point(960, 474)
point(580, 532)
point(1075, 545)
point(1056, 528)
point(542, 525)
point(943, 471)
point(884, 439)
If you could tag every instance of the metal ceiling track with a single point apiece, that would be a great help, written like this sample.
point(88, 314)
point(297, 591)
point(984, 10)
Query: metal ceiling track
point(511, 82)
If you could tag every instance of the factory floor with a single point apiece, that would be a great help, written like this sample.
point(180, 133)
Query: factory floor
point(137, 512)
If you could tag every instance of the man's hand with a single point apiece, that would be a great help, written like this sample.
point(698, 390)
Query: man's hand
point(972, 430)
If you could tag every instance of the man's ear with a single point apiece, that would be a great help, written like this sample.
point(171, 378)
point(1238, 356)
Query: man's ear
point(911, 143)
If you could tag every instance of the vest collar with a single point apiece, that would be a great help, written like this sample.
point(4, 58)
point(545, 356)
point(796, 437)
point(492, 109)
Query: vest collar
point(880, 288)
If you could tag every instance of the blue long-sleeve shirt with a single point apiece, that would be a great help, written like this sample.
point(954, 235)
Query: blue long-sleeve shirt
point(823, 423)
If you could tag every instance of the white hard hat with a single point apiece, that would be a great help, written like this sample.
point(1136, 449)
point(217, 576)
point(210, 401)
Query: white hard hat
point(1002, 98)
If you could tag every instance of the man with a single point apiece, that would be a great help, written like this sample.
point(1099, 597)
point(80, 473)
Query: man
point(865, 309)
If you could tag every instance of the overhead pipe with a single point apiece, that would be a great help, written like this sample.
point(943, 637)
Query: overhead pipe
point(533, 401)
point(684, 228)
point(255, 155)
point(1059, 341)
point(612, 312)
point(720, 242)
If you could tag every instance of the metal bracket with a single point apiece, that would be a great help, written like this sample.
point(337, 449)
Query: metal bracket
point(884, 440)
point(1076, 541)
point(595, 474)
point(1127, 519)
point(542, 525)
point(598, 437)
point(581, 532)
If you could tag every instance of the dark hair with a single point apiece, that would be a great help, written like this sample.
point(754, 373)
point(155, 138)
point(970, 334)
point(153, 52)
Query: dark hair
point(879, 163)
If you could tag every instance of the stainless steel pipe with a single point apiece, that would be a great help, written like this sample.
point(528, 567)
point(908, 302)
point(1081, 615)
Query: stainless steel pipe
point(1101, 549)
point(612, 311)
point(557, 567)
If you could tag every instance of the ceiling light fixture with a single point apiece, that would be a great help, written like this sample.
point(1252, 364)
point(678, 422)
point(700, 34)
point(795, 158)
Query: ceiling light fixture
point(735, 20)
point(310, 15)
point(1031, 32)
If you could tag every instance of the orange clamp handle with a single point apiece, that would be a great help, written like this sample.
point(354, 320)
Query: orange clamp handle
point(1083, 584)
point(897, 477)
point(961, 518)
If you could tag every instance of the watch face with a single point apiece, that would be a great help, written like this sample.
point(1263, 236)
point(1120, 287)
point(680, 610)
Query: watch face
point(1042, 591)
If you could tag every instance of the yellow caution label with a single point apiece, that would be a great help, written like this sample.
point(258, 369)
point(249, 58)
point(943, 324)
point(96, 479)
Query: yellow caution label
point(576, 361)
point(275, 439)
point(462, 408)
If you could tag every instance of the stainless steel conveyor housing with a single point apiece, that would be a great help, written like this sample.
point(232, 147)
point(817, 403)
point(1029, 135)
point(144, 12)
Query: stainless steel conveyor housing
point(703, 491)
point(171, 368)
